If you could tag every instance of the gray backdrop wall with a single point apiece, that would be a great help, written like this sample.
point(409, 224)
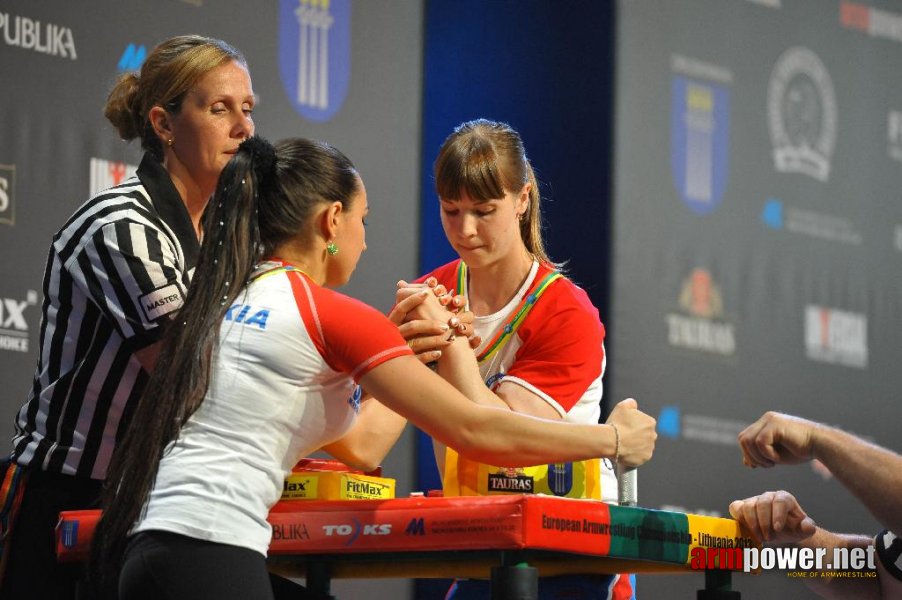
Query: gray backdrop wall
point(58, 60)
point(757, 252)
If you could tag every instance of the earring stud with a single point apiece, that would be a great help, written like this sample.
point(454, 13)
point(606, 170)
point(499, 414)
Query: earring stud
point(331, 248)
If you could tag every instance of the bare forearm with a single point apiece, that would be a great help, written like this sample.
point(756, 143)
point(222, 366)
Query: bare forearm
point(494, 438)
point(873, 474)
point(484, 433)
point(458, 367)
point(374, 434)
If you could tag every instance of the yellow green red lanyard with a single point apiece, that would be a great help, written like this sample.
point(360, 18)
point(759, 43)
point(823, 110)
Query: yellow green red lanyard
point(517, 317)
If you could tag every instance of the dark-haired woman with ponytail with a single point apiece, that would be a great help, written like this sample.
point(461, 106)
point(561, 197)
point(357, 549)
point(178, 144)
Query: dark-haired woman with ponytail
point(265, 366)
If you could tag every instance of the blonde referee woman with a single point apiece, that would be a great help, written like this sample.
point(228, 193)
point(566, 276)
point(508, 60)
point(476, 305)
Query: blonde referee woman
point(117, 271)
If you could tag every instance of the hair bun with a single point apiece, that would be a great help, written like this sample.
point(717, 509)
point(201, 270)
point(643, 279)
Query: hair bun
point(262, 155)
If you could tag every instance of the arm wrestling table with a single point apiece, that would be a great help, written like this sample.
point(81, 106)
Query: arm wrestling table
point(489, 537)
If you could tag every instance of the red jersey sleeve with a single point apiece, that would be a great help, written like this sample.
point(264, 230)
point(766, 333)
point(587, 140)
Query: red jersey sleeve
point(562, 352)
point(351, 336)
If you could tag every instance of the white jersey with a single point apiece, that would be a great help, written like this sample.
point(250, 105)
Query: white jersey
point(282, 388)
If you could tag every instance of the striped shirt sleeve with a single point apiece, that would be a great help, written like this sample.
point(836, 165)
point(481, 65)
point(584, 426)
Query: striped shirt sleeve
point(129, 270)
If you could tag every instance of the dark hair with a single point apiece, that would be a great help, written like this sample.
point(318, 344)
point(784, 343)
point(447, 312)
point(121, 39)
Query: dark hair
point(169, 72)
point(486, 159)
point(264, 197)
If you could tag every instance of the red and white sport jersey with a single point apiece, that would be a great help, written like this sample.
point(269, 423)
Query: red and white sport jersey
point(283, 386)
point(557, 352)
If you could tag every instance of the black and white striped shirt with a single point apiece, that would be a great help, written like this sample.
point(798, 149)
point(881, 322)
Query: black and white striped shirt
point(115, 272)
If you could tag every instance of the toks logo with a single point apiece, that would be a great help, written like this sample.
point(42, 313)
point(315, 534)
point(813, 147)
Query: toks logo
point(28, 34)
point(13, 325)
point(354, 531)
point(8, 194)
point(315, 55)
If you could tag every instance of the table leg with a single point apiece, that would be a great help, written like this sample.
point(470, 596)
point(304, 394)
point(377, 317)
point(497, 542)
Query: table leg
point(319, 579)
point(515, 582)
point(718, 584)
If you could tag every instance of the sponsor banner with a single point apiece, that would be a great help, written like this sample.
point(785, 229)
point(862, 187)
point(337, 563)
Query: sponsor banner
point(709, 429)
point(874, 22)
point(699, 132)
point(802, 114)
point(315, 55)
point(132, 58)
point(701, 326)
point(13, 322)
point(414, 524)
point(8, 194)
point(894, 134)
point(836, 336)
point(105, 174)
point(29, 34)
point(779, 216)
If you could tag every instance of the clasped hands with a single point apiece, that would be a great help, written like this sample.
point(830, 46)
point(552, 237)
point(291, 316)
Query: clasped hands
point(430, 317)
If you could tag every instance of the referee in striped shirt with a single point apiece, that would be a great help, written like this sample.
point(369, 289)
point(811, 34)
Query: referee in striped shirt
point(116, 272)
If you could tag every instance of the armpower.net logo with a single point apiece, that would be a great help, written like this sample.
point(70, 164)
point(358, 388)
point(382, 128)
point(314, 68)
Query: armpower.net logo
point(797, 562)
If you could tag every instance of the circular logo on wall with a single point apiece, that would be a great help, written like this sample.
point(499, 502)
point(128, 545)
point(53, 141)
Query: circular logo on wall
point(801, 110)
point(315, 55)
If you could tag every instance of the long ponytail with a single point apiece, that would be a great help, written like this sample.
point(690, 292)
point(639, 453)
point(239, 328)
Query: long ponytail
point(179, 382)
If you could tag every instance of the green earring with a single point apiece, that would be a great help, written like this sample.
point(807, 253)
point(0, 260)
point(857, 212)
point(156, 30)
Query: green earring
point(331, 248)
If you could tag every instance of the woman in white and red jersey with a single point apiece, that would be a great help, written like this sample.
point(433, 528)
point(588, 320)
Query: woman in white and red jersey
point(541, 344)
point(263, 368)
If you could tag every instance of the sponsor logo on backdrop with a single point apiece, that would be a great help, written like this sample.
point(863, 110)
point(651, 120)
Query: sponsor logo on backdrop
point(872, 21)
point(894, 134)
point(132, 58)
point(107, 173)
point(699, 132)
point(14, 323)
point(836, 336)
point(315, 55)
point(8, 194)
point(801, 111)
point(29, 34)
point(778, 216)
point(701, 326)
point(674, 424)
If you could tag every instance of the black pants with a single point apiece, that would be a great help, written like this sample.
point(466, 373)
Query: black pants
point(167, 566)
point(32, 571)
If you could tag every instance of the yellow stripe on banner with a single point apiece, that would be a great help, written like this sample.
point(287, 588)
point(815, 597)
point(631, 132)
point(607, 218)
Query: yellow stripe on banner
point(714, 532)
